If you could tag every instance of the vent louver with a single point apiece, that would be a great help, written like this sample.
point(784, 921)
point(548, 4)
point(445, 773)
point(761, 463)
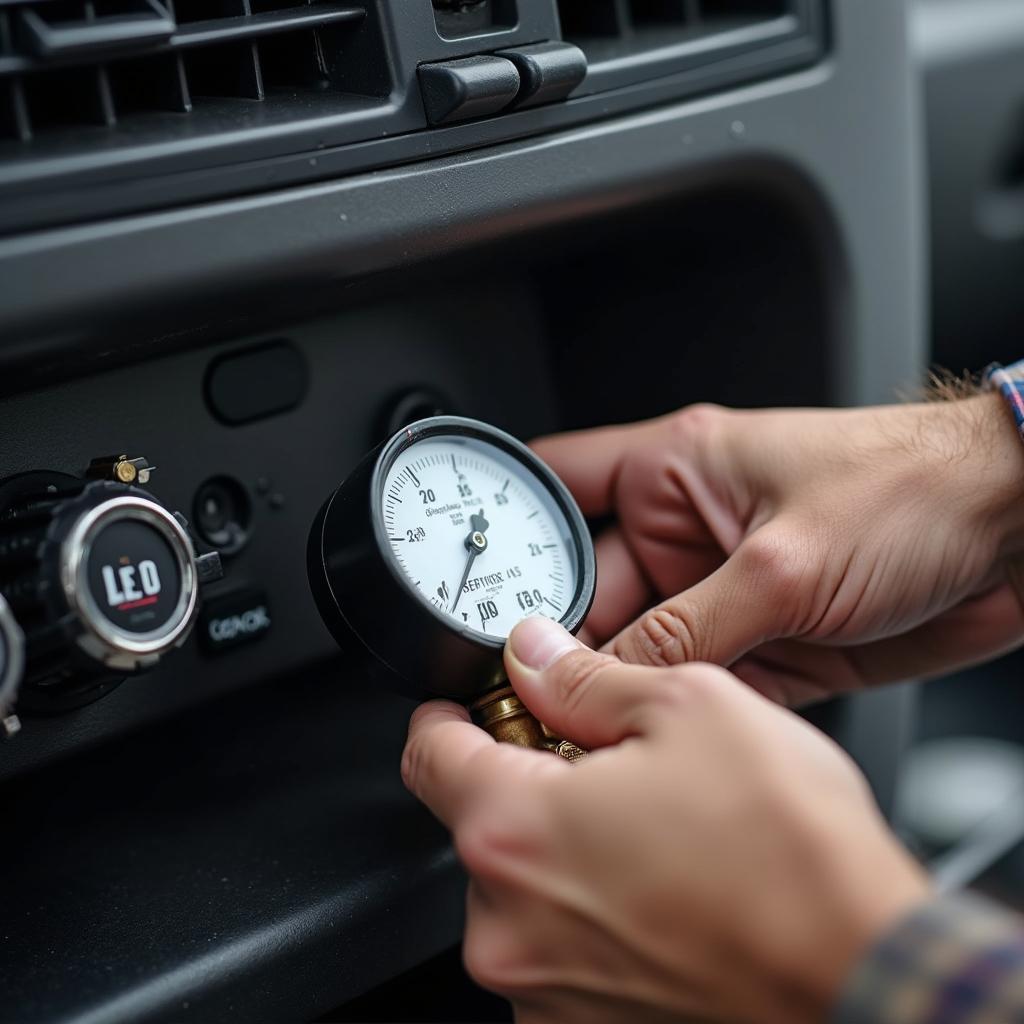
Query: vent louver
point(67, 66)
point(664, 36)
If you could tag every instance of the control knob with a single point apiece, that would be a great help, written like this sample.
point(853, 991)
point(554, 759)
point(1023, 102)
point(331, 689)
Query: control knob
point(103, 579)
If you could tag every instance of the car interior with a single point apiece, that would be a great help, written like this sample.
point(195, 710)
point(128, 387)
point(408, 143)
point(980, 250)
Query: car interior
point(244, 242)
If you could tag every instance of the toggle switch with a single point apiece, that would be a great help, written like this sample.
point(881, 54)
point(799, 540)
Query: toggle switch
point(457, 90)
point(548, 72)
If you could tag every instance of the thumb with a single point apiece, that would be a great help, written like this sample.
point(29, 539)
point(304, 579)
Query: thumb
point(757, 595)
point(590, 698)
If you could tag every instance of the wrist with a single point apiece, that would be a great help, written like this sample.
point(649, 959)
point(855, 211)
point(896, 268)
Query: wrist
point(970, 459)
point(872, 885)
point(1000, 452)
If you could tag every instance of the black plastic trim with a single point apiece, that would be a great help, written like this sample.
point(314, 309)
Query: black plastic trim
point(85, 189)
point(257, 862)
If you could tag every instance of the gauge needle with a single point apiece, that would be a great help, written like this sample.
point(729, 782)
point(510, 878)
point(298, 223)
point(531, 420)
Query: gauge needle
point(476, 543)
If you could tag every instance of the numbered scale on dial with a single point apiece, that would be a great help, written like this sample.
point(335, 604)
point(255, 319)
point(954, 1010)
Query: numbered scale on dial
point(439, 543)
point(476, 536)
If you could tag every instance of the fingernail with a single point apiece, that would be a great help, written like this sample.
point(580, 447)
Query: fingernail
point(538, 642)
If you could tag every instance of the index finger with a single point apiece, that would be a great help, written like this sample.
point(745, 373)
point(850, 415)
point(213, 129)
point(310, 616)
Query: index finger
point(589, 462)
point(443, 757)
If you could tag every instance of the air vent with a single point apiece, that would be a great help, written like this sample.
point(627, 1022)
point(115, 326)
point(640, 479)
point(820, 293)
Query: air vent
point(105, 72)
point(638, 40)
point(113, 106)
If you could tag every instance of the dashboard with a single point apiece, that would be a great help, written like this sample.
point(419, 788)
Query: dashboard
point(244, 241)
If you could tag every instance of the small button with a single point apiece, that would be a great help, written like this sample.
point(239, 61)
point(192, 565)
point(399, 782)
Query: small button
point(456, 90)
point(548, 71)
point(232, 620)
point(256, 382)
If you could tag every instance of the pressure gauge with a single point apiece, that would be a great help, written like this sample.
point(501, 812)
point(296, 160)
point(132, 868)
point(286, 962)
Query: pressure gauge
point(440, 542)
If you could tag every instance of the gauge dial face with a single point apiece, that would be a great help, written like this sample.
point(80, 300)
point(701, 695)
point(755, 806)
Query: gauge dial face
point(479, 534)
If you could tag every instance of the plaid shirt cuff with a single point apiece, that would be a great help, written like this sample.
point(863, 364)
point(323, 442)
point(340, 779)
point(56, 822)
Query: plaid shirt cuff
point(1009, 382)
point(959, 960)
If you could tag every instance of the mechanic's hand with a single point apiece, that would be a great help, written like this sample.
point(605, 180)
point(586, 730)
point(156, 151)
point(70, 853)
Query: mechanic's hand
point(716, 858)
point(811, 551)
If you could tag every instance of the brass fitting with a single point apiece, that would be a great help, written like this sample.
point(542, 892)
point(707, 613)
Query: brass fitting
point(502, 714)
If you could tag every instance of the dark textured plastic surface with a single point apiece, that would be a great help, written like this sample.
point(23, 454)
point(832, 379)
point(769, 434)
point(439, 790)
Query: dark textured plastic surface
point(258, 862)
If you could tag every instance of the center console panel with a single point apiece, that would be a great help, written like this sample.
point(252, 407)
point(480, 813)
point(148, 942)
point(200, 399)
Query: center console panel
point(225, 833)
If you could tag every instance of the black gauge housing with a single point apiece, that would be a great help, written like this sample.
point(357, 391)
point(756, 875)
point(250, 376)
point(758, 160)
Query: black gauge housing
point(360, 589)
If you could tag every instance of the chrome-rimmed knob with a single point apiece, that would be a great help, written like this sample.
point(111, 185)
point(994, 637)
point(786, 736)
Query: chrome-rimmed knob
point(127, 572)
point(103, 580)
